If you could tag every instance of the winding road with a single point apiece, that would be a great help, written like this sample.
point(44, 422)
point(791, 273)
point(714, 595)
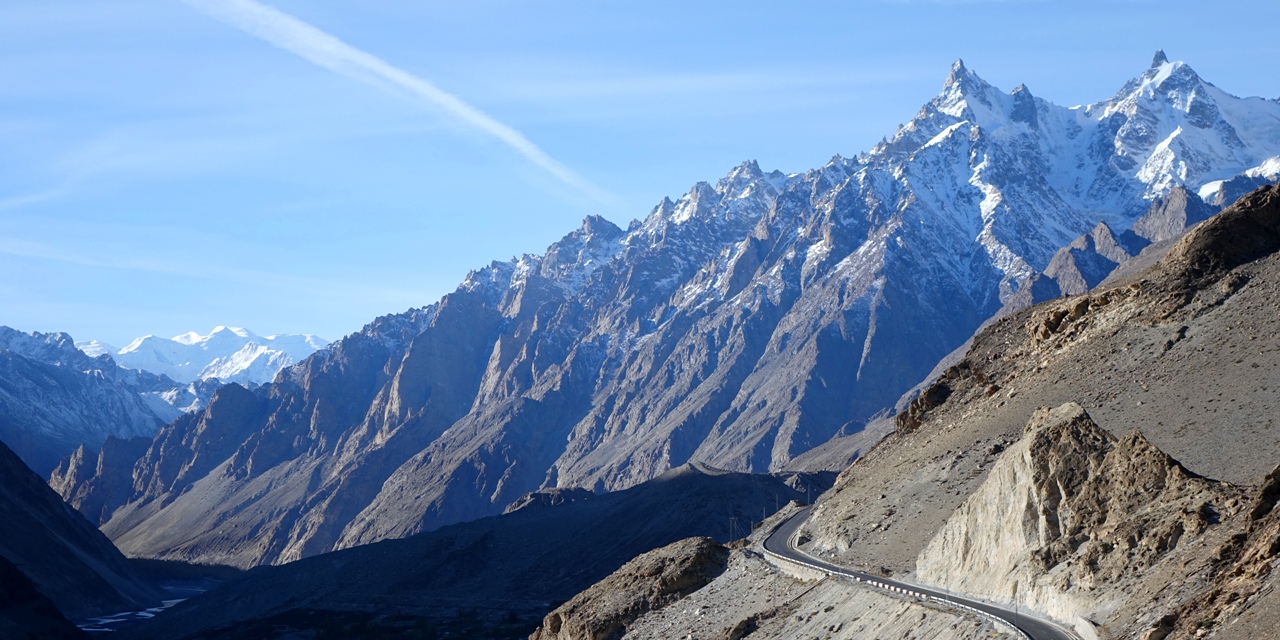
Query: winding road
point(779, 543)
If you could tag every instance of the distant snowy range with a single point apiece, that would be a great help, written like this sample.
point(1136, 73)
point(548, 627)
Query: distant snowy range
point(229, 354)
point(58, 396)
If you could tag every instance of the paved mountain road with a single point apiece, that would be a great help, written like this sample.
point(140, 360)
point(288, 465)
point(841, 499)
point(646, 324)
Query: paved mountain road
point(779, 543)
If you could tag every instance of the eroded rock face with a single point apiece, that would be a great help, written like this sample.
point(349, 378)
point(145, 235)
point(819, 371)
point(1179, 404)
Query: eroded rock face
point(1244, 567)
point(1070, 517)
point(649, 582)
point(1087, 261)
point(1173, 214)
point(98, 485)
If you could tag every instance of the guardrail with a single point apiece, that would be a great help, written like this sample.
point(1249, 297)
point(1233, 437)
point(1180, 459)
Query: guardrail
point(907, 592)
point(997, 620)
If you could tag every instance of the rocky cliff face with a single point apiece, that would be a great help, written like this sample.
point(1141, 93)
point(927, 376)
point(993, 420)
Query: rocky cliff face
point(1074, 523)
point(741, 326)
point(1173, 214)
point(1240, 600)
point(1085, 263)
point(96, 484)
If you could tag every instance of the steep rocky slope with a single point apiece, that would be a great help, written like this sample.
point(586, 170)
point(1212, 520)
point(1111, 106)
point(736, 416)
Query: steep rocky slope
point(96, 484)
point(1241, 602)
point(69, 560)
point(742, 325)
point(1185, 355)
point(492, 573)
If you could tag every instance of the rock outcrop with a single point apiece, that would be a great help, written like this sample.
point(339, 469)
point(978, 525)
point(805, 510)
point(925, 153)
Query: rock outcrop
point(1070, 521)
point(1087, 261)
point(1170, 216)
point(647, 583)
point(1243, 579)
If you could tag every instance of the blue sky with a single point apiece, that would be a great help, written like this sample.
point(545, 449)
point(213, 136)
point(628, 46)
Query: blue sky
point(170, 166)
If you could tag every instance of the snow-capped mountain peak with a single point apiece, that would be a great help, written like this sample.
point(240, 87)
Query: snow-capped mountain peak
point(230, 354)
point(966, 95)
point(219, 333)
point(1172, 128)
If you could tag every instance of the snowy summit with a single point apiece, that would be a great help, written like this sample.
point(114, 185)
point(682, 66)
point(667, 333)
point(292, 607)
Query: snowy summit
point(230, 354)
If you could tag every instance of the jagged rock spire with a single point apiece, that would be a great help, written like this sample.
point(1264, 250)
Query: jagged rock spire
point(1159, 59)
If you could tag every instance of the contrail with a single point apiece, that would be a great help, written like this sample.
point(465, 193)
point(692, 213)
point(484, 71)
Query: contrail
point(292, 34)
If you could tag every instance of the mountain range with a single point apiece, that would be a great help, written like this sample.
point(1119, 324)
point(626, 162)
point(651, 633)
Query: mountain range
point(739, 326)
point(1104, 459)
point(228, 354)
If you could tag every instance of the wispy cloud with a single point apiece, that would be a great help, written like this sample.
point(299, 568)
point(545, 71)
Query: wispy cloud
point(17, 202)
point(962, 2)
point(325, 50)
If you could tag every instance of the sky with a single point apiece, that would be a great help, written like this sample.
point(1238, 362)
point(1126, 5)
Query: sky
point(294, 166)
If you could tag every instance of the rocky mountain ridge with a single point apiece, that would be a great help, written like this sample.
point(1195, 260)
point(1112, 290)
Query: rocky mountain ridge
point(719, 329)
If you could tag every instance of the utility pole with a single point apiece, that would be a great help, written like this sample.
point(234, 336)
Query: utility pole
point(1015, 606)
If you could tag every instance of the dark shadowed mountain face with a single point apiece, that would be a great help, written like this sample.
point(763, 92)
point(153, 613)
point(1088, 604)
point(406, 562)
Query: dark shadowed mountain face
point(67, 558)
point(515, 566)
point(54, 398)
point(742, 325)
point(26, 614)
